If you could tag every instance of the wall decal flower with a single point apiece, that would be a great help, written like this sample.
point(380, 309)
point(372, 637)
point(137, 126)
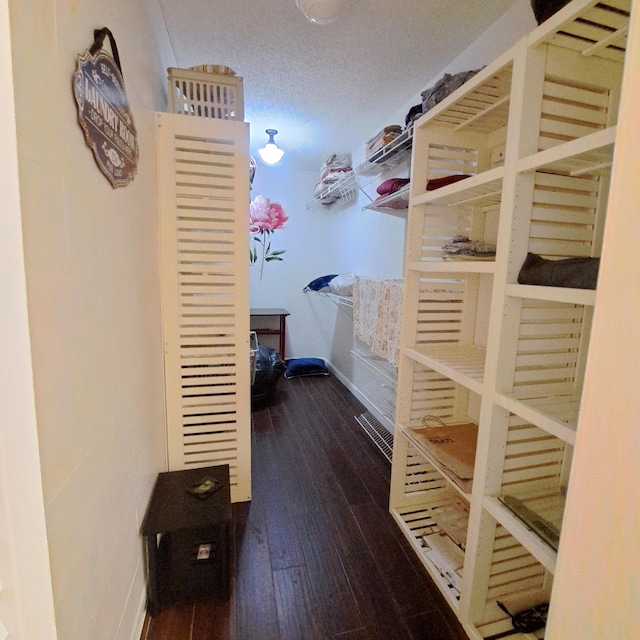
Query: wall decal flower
point(265, 217)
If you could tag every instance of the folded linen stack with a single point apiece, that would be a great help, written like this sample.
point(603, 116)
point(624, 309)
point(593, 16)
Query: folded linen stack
point(388, 188)
point(380, 140)
point(462, 247)
point(444, 87)
point(333, 169)
point(391, 185)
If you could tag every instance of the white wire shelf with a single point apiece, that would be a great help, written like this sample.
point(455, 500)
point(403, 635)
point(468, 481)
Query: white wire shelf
point(396, 204)
point(388, 156)
point(343, 191)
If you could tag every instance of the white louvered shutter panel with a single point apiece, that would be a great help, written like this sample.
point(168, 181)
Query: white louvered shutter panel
point(203, 171)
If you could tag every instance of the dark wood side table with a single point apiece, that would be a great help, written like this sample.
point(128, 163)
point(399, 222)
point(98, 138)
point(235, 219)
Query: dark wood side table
point(280, 330)
point(187, 539)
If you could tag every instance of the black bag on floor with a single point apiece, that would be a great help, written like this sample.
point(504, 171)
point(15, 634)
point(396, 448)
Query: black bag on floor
point(269, 369)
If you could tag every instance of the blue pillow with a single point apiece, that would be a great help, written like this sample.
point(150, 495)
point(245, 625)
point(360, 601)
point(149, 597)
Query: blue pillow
point(320, 284)
point(301, 367)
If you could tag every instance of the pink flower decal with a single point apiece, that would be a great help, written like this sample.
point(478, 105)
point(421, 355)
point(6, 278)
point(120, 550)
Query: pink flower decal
point(265, 217)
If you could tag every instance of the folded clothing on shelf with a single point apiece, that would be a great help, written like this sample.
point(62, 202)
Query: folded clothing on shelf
point(436, 183)
point(335, 167)
point(326, 182)
point(576, 273)
point(445, 86)
point(463, 246)
point(321, 284)
point(337, 162)
point(381, 139)
point(339, 284)
point(413, 114)
point(398, 204)
point(391, 185)
point(322, 186)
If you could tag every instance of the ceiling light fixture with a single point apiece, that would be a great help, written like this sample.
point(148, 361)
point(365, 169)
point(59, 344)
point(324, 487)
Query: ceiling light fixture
point(270, 153)
point(321, 11)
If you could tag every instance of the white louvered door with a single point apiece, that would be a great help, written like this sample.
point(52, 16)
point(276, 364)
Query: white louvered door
point(203, 172)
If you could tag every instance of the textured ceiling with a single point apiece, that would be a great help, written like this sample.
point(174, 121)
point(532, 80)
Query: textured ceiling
point(327, 88)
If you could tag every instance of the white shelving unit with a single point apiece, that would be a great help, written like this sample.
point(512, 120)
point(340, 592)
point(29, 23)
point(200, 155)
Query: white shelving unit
point(395, 204)
point(535, 130)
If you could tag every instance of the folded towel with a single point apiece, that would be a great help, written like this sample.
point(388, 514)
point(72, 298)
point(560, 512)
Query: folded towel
point(436, 183)
point(462, 245)
point(391, 186)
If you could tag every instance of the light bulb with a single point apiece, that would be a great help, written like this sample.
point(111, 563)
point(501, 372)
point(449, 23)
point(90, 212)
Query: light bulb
point(321, 11)
point(271, 153)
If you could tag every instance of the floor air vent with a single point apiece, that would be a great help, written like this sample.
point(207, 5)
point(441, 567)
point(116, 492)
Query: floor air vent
point(381, 437)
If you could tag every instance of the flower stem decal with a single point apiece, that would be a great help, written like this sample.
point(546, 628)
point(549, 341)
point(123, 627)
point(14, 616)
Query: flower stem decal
point(265, 217)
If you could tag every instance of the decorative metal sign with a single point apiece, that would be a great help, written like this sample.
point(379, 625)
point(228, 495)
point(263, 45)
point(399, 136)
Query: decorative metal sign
point(104, 113)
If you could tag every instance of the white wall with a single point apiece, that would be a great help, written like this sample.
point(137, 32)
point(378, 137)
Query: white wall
point(317, 243)
point(91, 257)
point(26, 599)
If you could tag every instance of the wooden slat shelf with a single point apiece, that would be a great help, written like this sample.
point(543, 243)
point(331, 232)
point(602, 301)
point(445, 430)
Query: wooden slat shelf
point(481, 190)
point(582, 156)
point(414, 528)
point(585, 297)
point(463, 364)
point(481, 104)
point(451, 265)
point(540, 550)
point(407, 432)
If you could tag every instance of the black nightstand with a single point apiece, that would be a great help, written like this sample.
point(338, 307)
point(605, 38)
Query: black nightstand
point(187, 539)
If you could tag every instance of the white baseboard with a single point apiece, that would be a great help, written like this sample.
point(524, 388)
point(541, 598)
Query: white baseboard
point(358, 394)
point(140, 617)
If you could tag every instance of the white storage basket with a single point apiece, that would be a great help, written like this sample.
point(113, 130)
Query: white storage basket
point(207, 91)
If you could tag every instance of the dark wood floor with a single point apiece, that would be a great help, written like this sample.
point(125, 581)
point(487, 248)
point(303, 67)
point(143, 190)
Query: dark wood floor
point(317, 554)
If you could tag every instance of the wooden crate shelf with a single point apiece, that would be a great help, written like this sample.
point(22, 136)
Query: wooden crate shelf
point(481, 104)
point(481, 190)
point(534, 132)
point(461, 363)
